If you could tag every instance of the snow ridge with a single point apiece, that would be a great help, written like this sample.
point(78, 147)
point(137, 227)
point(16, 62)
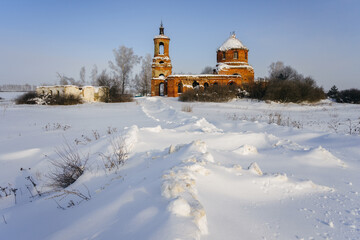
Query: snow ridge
point(179, 185)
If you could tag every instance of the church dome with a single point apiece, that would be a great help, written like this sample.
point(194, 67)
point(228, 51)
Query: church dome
point(232, 43)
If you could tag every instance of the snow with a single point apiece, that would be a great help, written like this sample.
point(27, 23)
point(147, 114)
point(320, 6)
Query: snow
point(242, 168)
point(221, 66)
point(232, 43)
point(161, 36)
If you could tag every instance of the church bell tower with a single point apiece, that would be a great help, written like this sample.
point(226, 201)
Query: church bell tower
point(161, 64)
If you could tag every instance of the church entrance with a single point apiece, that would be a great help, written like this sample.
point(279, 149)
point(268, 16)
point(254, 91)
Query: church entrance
point(162, 89)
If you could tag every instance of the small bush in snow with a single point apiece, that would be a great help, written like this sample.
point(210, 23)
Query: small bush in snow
point(214, 93)
point(66, 99)
point(68, 167)
point(27, 98)
point(121, 98)
point(117, 156)
point(186, 108)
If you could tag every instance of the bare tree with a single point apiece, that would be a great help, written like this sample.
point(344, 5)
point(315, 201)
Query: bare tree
point(142, 80)
point(93, 75)
point(207, 70)
point(278, 71)
point(64, 80)
point(105, 80)
point(125, 60)
point(82, 75)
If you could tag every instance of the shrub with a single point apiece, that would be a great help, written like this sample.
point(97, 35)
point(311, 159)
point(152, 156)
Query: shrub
point(34, 98)
point(27, 98)
point(349, 96)
point(297, 90)
point(65, 99)
point(285, 84)
point(121, 98)
point(186, 108)
point(68, 167)
point(117, 156)
point(214, 93)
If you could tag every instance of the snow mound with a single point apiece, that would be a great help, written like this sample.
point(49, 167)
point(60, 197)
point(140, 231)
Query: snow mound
point(246, 150)
point(320, 157)
point(156, 129)
point(180, 207)
point(254, 168)
point(131, 137)
point(179, 183)
point(205, 126)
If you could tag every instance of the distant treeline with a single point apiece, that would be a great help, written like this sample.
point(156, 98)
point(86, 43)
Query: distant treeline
point(17, 88)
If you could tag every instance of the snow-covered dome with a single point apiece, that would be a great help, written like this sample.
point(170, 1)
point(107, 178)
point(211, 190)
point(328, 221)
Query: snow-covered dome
point(232, 43)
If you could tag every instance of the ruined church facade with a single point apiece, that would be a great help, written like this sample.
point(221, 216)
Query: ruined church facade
point(232, 68)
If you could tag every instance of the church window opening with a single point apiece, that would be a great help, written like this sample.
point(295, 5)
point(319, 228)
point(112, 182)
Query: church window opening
point(195, 84)
point(206, 85)
point(161, 48)
point(161, 75)
point(235, 55)
point(246, 55)
point(161, 62)
point(224, 55)
point(180, 88)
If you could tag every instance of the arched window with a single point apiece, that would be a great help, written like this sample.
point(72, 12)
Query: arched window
point(224, 55)
point(161, 62)
point(206, 85)
point(246, 56)
point(231, 83)
point(180, 88)
point(215, 84)
point(236, 55)
point(161, 75)
point(58, 92)
point(195, 84)
point(161, 48)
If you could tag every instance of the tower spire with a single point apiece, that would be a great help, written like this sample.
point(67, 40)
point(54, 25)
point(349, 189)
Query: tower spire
point(161, 28)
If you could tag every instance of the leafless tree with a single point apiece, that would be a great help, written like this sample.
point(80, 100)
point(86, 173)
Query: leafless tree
point(94, 73)
point(82, 75)
point(142, 80)
point(125, 60)
point(207, 70)
point(64, 80)
point(278, 71)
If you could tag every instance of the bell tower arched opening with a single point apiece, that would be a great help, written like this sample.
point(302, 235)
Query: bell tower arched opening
point(161, 48)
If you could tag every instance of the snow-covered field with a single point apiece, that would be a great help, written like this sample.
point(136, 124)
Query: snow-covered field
point(237, 170)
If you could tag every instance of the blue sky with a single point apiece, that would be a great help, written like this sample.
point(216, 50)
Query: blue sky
point(318, 38)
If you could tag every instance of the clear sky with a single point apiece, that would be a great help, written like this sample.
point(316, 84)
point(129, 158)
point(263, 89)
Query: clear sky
point(317, 38)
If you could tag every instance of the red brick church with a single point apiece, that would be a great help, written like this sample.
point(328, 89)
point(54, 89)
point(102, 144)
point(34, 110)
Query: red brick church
point(232, 68)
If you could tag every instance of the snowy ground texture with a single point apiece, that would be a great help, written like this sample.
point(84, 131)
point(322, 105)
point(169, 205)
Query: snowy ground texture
point(237, 170)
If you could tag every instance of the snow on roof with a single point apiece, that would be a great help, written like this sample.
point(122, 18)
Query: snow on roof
point(231, 43)
point(202, 75)
point(161, 36)
point(221, 66)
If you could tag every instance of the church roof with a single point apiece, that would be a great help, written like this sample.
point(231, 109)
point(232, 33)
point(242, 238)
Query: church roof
point(232, 43)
